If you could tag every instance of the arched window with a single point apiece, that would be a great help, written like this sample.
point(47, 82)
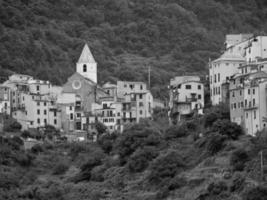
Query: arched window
point(84, 68)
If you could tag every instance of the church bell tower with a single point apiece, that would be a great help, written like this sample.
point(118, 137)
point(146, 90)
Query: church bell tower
point(87, 65)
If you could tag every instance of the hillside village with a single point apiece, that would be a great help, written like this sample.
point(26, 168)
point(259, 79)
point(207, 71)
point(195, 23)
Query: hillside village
point(236, 79)
point(115, 141)
point(77, 106)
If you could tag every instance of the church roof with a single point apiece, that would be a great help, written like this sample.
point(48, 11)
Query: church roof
point(86, 55)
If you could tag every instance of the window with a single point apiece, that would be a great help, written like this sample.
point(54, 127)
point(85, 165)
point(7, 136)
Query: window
point(38, 103)
point(45, 112)
point(219, 90)
point(118, 114)
point(233, 94)
point(141, 104)
point(248, 91)
point(141, 112)
point(84, 68)
point(78, 115)
point(226, 64)
point(188, 87)
point(45, 121)
point(71, 116)
point(254, 114)
point(38, 112)
point(242, 104)
point(38, 121)
point(238, 104)
point(55, 113)
point(215, 78)
point(234, 105)
point(253, 91)
point(125, 85)
point(44, 103)
point(141, 87)
point(37, 87)
point(140, 96)
point(199, 96)
point(253, 102)
point(55, 121)
point(246, 103)
point(199, 87)
point(246, 115)
point(210, 92)
point(70, 107)
point(219, 78)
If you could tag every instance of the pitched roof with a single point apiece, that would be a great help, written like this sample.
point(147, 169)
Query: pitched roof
point(230, 57)
point(86, 55)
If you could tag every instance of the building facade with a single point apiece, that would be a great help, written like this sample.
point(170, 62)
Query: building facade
point(186, 97)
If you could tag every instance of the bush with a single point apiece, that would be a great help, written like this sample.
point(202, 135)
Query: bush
point(86, 168)
point(216, 188)
point(12, 125)
point(257, 193)
point(215, 143)
point(24, 159)
point(227, 128)
point(26, 134)
point(100, 127)
point(60, 168)
point(137, 136)
point(210, 118)
point(165, 167)
point(237, 182)
point(177, 182)
point(37, 148)
point(139, 160)
point(175, 131)
point(238, 159)
point(106, 142)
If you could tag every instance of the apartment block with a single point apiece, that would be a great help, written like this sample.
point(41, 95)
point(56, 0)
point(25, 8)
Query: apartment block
point(186, 97)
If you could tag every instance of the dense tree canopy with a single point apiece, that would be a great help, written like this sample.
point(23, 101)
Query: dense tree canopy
point(44, 37)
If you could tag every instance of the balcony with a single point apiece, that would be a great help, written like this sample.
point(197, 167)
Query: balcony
point(251, 107)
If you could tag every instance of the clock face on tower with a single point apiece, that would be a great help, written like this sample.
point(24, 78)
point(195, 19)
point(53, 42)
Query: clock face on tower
point(76, 84)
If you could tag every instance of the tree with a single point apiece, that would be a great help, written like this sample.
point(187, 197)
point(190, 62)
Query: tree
point(100, 127)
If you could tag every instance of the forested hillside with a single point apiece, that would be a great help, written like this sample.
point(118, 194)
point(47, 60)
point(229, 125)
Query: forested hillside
point(45, 37)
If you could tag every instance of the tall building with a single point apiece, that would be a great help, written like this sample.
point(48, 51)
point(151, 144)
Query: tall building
point(241, 49)
point(186, 97)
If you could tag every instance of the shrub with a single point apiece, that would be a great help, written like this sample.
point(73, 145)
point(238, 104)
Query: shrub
point(256, 193)
point(238, 159)
point(26, 134)
point(177, 182)
point(175, 131)
point(86, 168)
point(216, 188)
point(139, 160)
point(137, 136)
point(237, 182)
point(60, 168)
point(100, 127)
point(227, 128)
point(210, 118)
point(215, 143)
point(165, 167)
point(24, 159)
point(106, 142)
point(37, 148)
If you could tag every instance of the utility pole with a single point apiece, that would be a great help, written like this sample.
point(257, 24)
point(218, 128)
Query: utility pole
point(149, 71)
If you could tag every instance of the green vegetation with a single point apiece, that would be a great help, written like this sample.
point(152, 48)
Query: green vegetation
point(144, 162)
point(44, 38)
